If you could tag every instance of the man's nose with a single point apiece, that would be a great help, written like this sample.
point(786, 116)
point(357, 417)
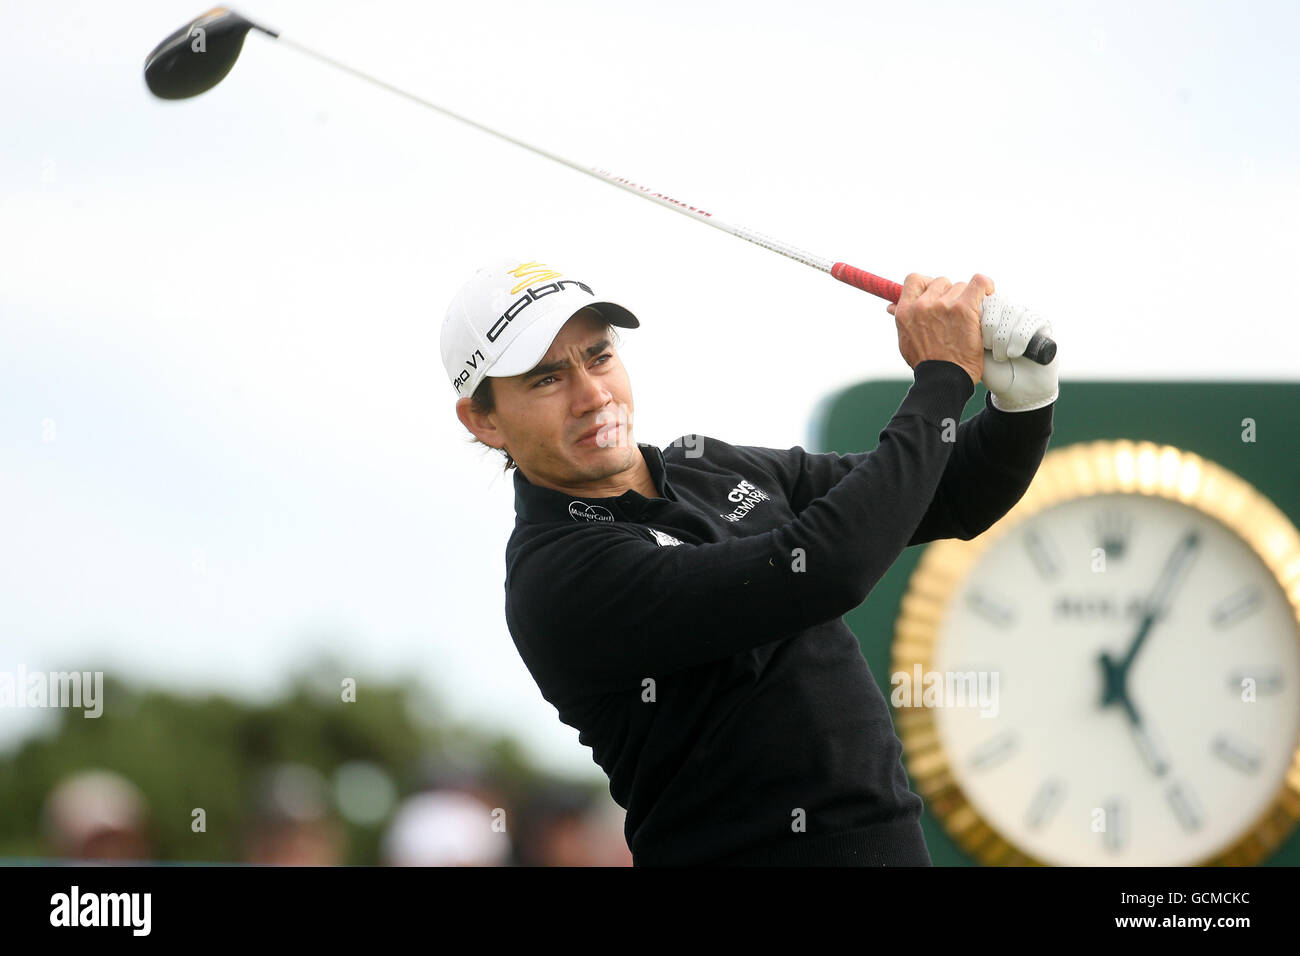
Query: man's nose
point(591, 391)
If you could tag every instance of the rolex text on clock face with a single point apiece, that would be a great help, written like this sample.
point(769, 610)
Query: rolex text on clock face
point(1149, 683)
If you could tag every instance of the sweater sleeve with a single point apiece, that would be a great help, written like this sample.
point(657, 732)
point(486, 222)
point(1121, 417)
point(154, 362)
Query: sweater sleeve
point(601, 607)
point(995, 457)
point(994, 460)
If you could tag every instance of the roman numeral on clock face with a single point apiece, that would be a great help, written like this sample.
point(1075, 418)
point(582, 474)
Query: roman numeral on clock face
point(1116, 822)
point(1236, 606)
point(1046, 801)
point(993, 752)
point(997, 612)
point(1042, 553)
point(1235, 754)
point(1268, 680)
point(1185, 807)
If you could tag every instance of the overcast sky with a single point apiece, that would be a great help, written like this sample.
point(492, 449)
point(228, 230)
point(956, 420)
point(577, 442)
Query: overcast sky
point(226, 438)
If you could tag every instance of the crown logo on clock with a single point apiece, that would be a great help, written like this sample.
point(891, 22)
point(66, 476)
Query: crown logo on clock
point(1113, 528)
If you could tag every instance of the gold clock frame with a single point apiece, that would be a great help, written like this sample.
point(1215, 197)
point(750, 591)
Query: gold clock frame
point(1076, 471)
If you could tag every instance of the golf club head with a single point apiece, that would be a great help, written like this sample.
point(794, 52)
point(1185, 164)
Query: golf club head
point(197, 56)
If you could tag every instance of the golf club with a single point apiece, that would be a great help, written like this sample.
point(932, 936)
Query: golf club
point(199, 55)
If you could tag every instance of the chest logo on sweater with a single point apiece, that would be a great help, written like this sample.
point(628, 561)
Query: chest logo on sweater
point(746, 497)
point(581, 511)
point(664, 538)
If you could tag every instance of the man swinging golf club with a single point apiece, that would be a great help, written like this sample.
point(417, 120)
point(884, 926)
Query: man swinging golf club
point(682, 607)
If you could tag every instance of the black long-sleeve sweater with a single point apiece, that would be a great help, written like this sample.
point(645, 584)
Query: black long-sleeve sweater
point(696, 641)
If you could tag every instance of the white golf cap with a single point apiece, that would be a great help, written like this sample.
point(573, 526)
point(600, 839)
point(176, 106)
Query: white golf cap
point(503, 320)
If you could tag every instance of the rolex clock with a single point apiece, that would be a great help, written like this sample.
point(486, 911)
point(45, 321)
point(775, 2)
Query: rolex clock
point(1132, 626)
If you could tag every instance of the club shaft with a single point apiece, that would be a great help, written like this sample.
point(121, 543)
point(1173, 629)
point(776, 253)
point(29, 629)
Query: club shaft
point(645, 192)
point(1041, 349)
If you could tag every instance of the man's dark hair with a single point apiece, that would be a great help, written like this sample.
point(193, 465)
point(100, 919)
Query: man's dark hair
point(484, 402)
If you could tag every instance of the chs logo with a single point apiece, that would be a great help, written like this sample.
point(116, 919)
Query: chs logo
point(738, 493)
point(746, 496)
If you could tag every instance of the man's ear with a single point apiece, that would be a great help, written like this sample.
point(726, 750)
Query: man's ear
point(481, 425)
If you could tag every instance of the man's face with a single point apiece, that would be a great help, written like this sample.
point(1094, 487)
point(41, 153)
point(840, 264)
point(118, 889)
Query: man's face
point(545, 418)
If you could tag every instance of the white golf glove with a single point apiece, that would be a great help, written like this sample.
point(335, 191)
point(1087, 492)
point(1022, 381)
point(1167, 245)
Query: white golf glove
point(1016, 384)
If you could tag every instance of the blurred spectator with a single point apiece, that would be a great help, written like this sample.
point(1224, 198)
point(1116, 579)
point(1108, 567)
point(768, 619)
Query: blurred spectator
point(561, 825)
point(551, 829)
point(290, 820)
point(463, 770)
point(97, 815)
point(445, 828)
point(608, 842)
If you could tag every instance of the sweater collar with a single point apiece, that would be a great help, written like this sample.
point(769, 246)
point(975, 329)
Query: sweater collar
point(537, 504)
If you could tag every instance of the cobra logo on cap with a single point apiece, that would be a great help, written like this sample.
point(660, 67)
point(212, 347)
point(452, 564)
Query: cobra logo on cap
point(581, 511)
point(531, 272)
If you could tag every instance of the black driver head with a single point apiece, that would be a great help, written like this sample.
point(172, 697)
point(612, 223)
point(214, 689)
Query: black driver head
point(197, 56)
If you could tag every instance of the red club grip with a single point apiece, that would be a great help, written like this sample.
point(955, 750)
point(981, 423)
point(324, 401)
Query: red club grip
point(1041, 349)
point(861, 279)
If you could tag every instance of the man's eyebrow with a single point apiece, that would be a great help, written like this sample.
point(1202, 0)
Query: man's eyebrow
point(549, 367)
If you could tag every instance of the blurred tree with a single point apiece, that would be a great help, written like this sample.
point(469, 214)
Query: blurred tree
point(186, 751)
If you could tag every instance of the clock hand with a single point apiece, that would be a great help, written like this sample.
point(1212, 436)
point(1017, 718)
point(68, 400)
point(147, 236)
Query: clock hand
point(1157, 603)
point(1112, 690)
point(1116, 674)
point(1151, 752)
point(1117, 693)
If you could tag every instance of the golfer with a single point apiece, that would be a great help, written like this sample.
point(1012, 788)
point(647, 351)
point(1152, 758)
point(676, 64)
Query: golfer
point(683, 607)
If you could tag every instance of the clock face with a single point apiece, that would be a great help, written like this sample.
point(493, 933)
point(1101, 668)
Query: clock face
point(1139, 666)
point(1068, 774)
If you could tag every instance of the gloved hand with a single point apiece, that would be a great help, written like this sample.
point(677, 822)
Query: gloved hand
point(1016, 384)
